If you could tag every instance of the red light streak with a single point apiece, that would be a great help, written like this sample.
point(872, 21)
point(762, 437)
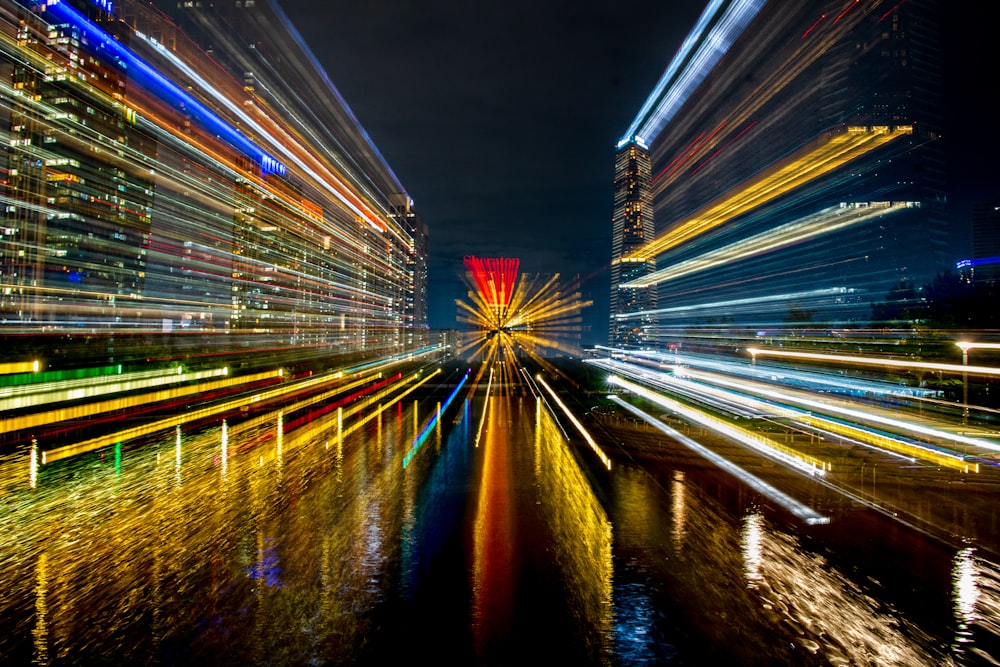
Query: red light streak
point(846, 9)
point(894, 8)
point(722, 148)
point(813, 26)
point(495, 278)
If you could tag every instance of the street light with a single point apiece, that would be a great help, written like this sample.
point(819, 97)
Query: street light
point(965, 346)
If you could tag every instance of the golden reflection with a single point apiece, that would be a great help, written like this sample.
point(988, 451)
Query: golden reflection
point(177, 456)
point(486, 407)
point(581, 534)
point(750, 543)
point(279, 433)
point(833, 617)
point(437, 428)
point(493, 575)
point(605, 459)
point(966, 591)
point(225, 449)
point(33, 464)
point(678, 506)
point(976, 591)
point(40, 633)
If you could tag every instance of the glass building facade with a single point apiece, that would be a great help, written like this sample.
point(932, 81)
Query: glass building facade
point(190, 168)
point(633, 226)
point(797, 170)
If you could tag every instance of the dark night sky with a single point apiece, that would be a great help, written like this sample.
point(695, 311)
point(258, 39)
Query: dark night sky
point(500, 119)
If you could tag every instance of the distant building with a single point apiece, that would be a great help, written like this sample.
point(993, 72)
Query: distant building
point(632, 226)
point(413, 291)
point(985, 263)
point(797, 164)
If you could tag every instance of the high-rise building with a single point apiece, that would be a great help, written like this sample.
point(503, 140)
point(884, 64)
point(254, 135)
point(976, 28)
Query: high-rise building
point(76, 226)
point(797, 169)
point(985, 263)
point(632, 227)
point(195, 171)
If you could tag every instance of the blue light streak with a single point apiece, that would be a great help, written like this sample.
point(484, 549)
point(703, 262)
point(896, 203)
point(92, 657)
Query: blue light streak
point(419, 440)
point(965, 263)
point(686, 71)
point(168, 90)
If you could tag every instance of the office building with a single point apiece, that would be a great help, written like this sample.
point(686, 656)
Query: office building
point(191, 168)
point(632, 227)
point(797, 165)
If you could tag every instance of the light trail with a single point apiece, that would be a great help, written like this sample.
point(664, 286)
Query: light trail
point(765, 446)
point(860, 415)
point(798, 509)
point(746, 113)
point(33, 420)
point(576, 422)
point(767, 373)
point(875, 361)
point(782, 402)
point(770, 298)
point(814, 415)
point(828, 153)
point(12, 367)
point(701, 50)
point(486, 407)
point(139, 67)
point(418, 441)
point(258, 210)
point(26, 396)
point(59, 453)
point(378, 397)
point(824, 222)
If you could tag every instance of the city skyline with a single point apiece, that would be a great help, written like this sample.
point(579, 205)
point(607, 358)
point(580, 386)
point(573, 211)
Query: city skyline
point(468, 207)
point(517, 333)
point(797, 170)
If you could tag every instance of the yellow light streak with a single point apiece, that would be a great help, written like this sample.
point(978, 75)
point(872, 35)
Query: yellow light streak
point(486, 407)
point(73, 390)
point(377, 412)
point(954, 461)
point(19, 367)
point(124, 403)
point(875, 361)
point(576, 422)
point(808, 464)
point(251, 424)
point(825, 155)
point(824, 222)
point(56, 454)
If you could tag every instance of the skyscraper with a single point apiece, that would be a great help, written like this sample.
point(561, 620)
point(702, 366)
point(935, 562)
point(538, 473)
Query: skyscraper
point(632, 226)
point(76, 228)
point(195, 172)
point(796, 161)
point(985, 263)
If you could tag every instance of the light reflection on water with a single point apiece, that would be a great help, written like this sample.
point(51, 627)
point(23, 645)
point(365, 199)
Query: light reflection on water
point(244, 543)
point(781, 602)
point(753, 527)
point(581, 537)
point(976, 584)
point(200, 545)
